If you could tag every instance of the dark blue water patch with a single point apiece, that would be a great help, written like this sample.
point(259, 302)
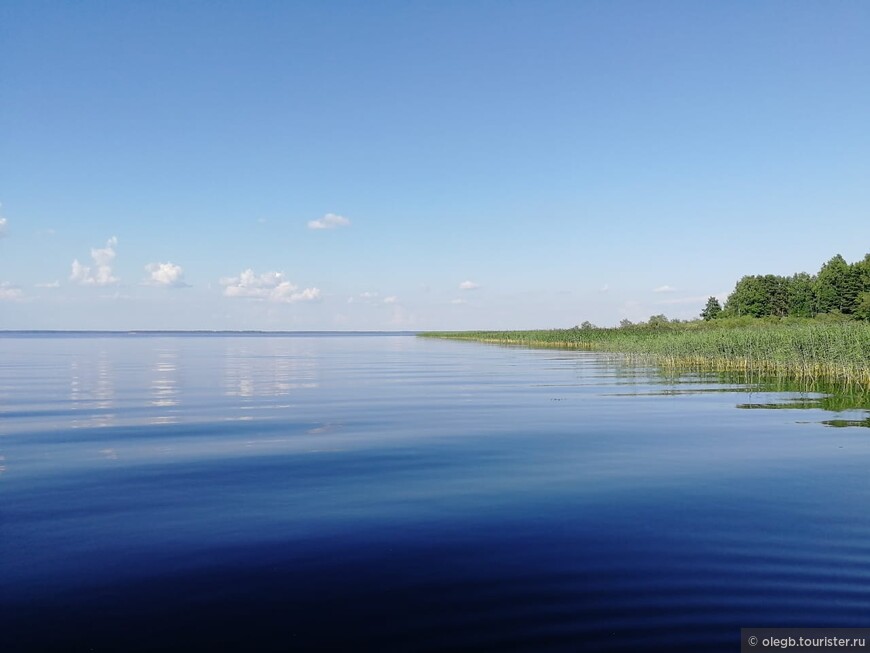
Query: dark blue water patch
point(527, 589)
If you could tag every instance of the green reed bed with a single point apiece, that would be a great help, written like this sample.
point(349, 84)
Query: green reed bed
point(805, 350)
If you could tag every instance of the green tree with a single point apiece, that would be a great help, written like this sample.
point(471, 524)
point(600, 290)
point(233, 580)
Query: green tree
point(801, 295)
point(863, 268)
point(657, 320)
point(861, 274)
point(712, 309)
point(836, 291)
point(837, 286)
point(749, 297)
point(776, 295)
point(862, 306)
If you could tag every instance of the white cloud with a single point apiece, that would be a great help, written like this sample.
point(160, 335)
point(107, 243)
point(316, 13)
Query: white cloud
point(665, 288)
point(105, 256)
point(101, 273)
point(364, 297)
point(329, 221)
point(49, 284)
point(605, 287)
point(458, 301)
point(2, 227)
point(372, 299)
point(165, 274)
point(270, 286)
point(307, 295)
point(469, 285)
point(80, 273)
point(10, 293)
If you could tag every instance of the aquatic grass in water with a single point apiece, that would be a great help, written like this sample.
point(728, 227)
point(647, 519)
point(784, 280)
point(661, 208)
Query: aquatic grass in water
point(838, 352)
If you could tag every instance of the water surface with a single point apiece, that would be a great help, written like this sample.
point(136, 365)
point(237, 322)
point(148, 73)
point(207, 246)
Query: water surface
point(395, 493)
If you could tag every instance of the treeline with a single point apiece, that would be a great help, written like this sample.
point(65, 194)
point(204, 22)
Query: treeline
point(840, 290)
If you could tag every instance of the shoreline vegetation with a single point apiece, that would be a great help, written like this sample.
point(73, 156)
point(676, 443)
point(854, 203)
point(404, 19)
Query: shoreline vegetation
point(803, 349)
point(811, 328)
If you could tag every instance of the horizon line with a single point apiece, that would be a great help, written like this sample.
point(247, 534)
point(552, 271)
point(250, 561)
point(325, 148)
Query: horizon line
point(212, 331)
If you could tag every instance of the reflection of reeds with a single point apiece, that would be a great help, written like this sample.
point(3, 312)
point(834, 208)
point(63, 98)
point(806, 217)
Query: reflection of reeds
point(838, 352)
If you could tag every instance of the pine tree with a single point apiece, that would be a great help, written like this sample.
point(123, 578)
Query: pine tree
point(801, 295)
point(837, 286)
point(712, 309)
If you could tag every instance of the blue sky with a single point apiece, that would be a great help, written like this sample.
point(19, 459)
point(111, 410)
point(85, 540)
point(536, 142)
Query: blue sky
point(476, 164)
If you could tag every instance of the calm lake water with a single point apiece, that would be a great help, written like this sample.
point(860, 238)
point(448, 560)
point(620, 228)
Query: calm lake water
point(393, 493)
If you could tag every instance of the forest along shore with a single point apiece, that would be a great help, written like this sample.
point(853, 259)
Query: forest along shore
point(804, 349)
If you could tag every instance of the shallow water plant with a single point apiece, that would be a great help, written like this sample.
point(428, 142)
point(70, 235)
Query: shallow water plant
point(806, 350)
